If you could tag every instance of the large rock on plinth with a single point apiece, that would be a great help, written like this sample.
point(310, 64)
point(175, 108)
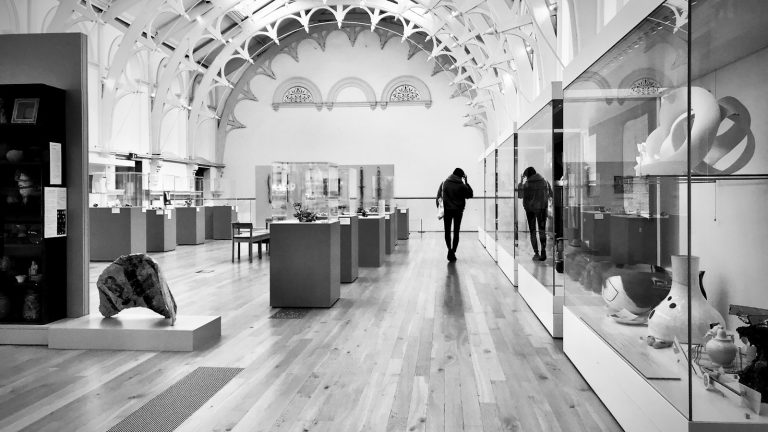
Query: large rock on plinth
point(135, 281)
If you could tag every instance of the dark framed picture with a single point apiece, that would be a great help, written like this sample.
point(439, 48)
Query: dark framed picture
point(618, 184)
point(25, 110)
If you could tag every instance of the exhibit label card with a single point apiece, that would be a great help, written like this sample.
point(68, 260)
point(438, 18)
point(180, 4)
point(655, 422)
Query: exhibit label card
point(115, 210)
point(55, 212)
point(55, 163)
point(158, 212)
point(344, 221)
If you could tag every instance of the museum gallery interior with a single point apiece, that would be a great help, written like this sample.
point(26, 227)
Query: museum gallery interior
point(241, 215)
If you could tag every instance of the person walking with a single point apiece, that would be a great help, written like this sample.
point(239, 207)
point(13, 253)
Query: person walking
point(536, 192)
point(453, 191)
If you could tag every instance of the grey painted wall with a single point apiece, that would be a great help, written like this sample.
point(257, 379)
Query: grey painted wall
point(61, 60)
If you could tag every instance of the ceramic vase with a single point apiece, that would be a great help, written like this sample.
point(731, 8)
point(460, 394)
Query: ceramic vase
point(669, 320)
point(5, 305)
point(721, 348)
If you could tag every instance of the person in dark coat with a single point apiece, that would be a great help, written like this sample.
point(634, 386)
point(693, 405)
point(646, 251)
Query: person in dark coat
point(535, 192)
point(454, 191)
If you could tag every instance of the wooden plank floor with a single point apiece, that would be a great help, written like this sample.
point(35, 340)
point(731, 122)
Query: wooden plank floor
point(416, 345)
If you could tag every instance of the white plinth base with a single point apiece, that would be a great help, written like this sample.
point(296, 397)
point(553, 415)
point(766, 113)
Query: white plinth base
point(23, 334)
point(547, 307)
point(135, 331)
point(507, 265)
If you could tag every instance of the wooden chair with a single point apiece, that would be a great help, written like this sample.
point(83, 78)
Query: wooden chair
point(242, 232)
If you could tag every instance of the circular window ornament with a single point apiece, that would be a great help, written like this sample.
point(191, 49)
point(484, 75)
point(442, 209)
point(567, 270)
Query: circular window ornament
point(645, 87)
point(297, 94)
point(405, 93)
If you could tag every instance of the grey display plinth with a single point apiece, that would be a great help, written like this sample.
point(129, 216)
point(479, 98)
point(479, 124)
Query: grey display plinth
point(161, 230)
point(390, 233)
point(218, 222)
point(190, 225)
point(371, 241)
point(208, 222)
point(223, 216)
point(117, 231)
point(304, 264)
point(349, 248)
point(403, 228)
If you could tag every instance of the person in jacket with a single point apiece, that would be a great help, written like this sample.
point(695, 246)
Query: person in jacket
point(536, 192)
point(454, 191)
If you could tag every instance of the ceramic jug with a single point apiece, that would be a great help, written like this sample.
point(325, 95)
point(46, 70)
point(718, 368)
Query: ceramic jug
point(670, 318)
point(721, 348)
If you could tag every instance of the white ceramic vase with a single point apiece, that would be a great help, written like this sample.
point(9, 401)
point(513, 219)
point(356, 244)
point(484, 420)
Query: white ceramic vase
point(670, 318)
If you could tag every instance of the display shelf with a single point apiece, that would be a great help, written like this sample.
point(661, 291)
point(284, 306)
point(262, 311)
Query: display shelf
point(403, 224)
point(117, 231)
point(654, 397)
point(33, 245)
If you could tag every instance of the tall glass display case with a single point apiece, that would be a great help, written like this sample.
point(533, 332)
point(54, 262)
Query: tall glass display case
point(664, 191)
point(507, 181)
point(33, 205)
point(490, 203)
point(539, 212)
point(305, 191)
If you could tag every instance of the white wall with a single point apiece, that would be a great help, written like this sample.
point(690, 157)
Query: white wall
point(425, 145)
point(728, 217)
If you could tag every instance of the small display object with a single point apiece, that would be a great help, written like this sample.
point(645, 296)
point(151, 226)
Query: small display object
point(668, 224)
point(305, 191)
point(33, 240)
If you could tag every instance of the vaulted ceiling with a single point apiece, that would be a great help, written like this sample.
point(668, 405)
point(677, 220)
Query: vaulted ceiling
point(490, 45)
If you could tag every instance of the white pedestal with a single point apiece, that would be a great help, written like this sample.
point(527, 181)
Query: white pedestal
point(135, 330)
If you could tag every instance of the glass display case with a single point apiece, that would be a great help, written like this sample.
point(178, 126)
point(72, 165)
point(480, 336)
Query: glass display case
point(539, 208)
point(664, 203)
point(305, 191)
point(380, 196)
point(348, 201)
point(176, 191)
point(490, 204)
point(33, 205)
point(118, 189)
point(507, 209)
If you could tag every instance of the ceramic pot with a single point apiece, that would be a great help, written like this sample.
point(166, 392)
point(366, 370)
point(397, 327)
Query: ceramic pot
point(721, 348)
point(15, 156)
point(31, 309)
point(635, 289)
point(670, 318)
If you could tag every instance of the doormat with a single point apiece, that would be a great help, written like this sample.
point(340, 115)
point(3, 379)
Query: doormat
point(290, 313)
point(204, 271)
point(168, 410)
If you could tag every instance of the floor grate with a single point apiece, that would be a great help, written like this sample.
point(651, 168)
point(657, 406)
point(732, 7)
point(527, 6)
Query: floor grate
point(290, 313)
point(166, 411)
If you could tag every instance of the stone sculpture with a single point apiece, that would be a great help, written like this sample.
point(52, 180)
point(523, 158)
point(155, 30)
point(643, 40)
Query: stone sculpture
point(135, 281)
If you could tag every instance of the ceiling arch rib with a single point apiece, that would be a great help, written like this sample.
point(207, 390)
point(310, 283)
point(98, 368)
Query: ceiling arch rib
point(263, 19)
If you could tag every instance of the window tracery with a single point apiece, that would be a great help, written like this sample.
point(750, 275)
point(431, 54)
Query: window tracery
point(405, 93)
point(297, 94)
